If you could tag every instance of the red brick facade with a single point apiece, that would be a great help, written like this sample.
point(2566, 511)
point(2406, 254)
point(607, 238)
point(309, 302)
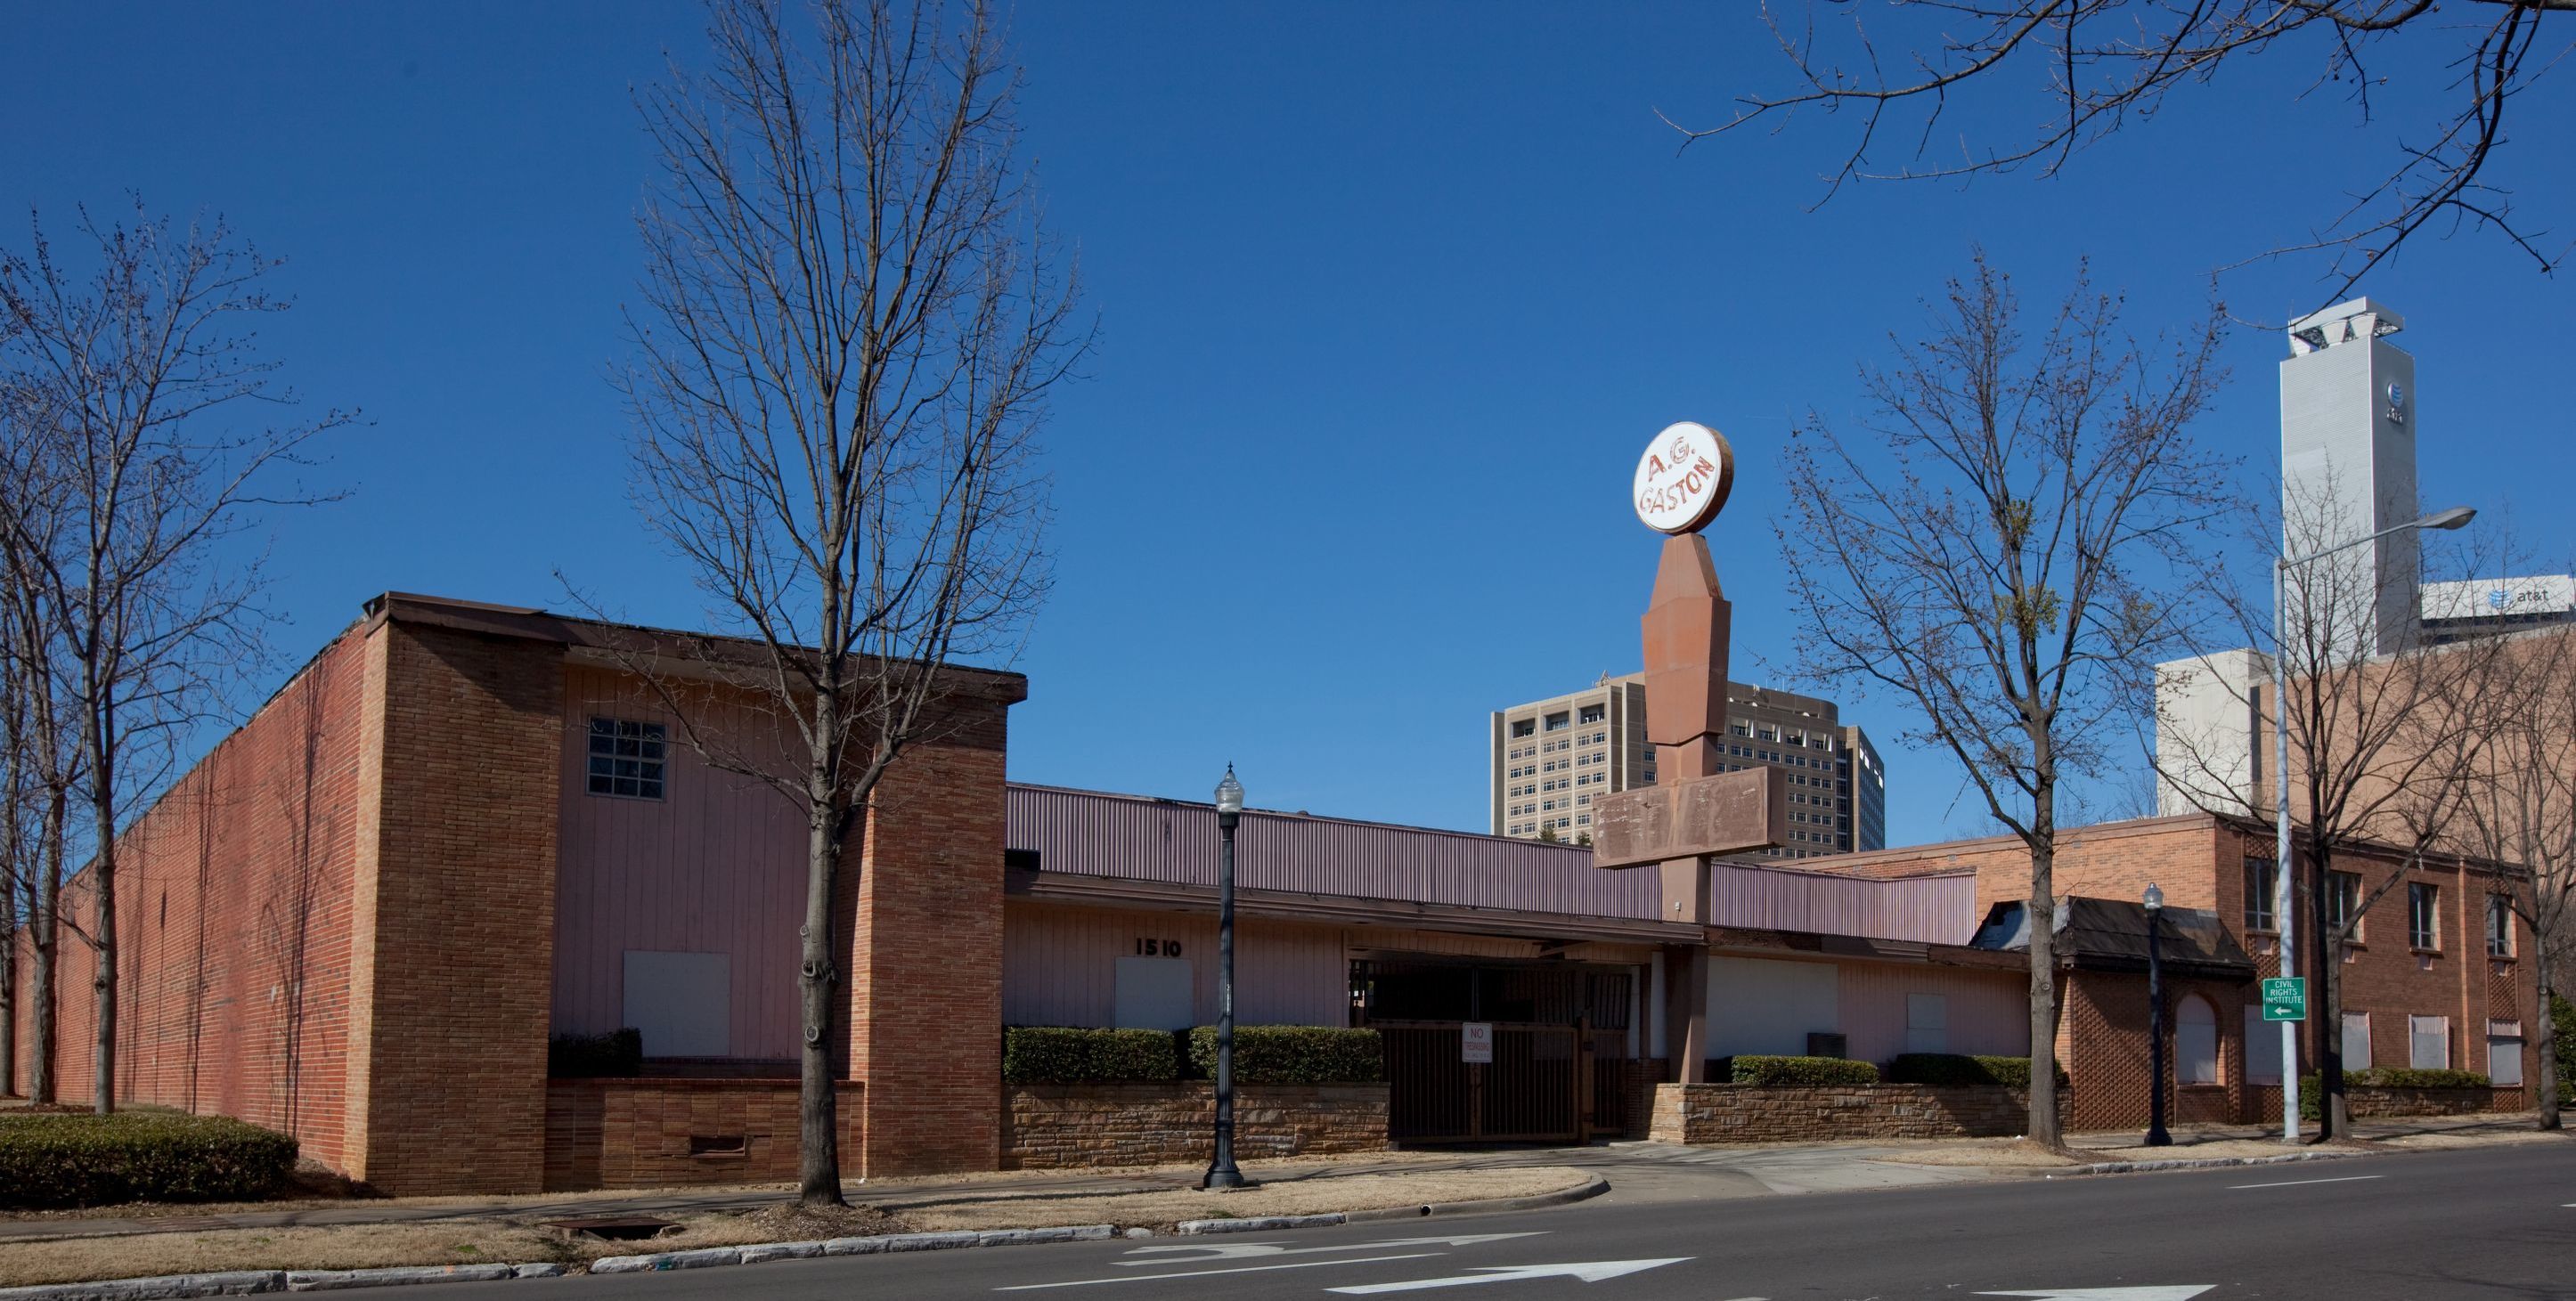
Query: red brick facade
point(341, 924)
point(2199, 863)
point(237, 900)
point(673, 1133)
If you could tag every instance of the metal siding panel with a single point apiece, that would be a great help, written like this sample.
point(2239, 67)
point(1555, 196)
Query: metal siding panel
point(1989, 1012)
point(717, 866)
point(1093, 834)
point(1059, 966)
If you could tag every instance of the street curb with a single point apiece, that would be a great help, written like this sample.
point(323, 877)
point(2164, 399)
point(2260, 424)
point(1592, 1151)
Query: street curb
point(761, 1251)
point(2195, 1163)
point(178, 1287)
point(1593, 1187)
point(245, 1282)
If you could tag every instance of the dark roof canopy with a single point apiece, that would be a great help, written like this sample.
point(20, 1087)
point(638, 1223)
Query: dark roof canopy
point(2111, 935)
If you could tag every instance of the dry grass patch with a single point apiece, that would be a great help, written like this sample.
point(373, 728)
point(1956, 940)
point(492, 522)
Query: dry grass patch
point(1359, 1192)
point(453, 1242)
point(1990, 1153)
point(2442, 1139)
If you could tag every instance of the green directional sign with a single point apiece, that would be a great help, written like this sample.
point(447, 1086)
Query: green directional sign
point(2285, 998)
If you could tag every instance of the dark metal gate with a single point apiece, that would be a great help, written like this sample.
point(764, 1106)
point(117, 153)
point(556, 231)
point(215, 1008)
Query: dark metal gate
point(1551, 1080)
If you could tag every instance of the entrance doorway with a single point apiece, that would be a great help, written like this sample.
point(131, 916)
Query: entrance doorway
point(1561, 1060)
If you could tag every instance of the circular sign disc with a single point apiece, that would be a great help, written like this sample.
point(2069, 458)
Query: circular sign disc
point(1683, 478)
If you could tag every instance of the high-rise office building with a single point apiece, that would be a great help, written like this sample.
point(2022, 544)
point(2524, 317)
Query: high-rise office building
point(1553, 759)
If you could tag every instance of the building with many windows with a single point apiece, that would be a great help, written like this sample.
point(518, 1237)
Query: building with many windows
point(1553, 759)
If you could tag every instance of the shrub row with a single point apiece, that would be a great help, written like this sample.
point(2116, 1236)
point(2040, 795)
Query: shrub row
point(1954, 1070)
point(1293, 1054)
point(2312, 1089)
point(1050, 1054)
point(1791, 1072)
point(582, 1056)
point(1263, 1054)
point(53, 1160)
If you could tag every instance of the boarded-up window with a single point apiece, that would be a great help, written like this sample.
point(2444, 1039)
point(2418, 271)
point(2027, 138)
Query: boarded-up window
point(1927, 1023)
point(2262, 1048)
point(2504, 1052)
point(1760, 1006)
point(2195, 1041)
point(682, 1003)
point(2428, 1042)
point(1154, 994)
point(2356, 1041)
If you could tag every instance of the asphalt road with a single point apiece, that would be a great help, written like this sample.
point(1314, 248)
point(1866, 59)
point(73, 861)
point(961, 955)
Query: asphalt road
point(2497, 1222)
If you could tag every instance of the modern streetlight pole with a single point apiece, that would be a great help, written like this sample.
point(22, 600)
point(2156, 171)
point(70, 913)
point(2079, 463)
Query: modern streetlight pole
point(1229, 810)
point(2156, 1135)
point(2282, 914)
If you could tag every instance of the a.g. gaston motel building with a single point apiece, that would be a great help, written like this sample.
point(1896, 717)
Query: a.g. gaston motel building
point(360, 918)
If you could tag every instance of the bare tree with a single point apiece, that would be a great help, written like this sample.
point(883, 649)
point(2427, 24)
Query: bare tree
point(851, 322)
point(2000, 567)
point(43, 760)
point(146, 372)
point(2521, 814)
point(2080, 71)
point(2387, 738)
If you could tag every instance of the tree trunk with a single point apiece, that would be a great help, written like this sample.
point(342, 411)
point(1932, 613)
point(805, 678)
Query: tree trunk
point(818, 1148)
point(9, 931)
point(45, 902)
point(2325, 958)
point(103, 929)
point(2545, 1027)
point(2042, 1124)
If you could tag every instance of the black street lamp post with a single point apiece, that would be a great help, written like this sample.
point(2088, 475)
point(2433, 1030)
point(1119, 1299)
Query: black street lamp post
point(2156, 1135)
point(1229, 810)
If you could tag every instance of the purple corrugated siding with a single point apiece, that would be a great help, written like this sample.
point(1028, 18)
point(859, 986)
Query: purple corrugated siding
point(1928, 909)
point(718, 866)
point(1989, 1011)
point(1093, 834)
point(1060, 965)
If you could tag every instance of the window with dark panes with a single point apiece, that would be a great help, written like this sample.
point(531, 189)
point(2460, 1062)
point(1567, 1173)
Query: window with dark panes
point(2343, 896)
point(2262, 883)
point(2499, 926)
point(2423, 916)
point(626, 758)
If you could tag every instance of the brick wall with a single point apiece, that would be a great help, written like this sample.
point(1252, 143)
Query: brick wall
point(2113, 860)
point(2106, 1016)
point(925, 983)
point(456, 937)
point(1747, 1113)
point(1049, 1126)
point(235, 894)
point(664, 1133)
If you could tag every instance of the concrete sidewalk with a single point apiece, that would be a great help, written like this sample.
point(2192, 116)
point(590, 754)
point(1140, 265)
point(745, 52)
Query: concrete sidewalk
point(1637, 1172)
point(894, 1195)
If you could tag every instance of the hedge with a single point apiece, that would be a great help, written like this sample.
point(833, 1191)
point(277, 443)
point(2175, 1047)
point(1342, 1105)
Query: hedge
point(1293, 1054)
point(582, 1056)
point(53, 1160)
point(1054, 1054)
point(2312, 1089)
point(1792, 1072)
point(1954, 1070)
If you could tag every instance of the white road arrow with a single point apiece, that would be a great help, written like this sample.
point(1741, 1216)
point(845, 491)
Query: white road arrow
point(1588, 1271)
point(1191, 1253)
point(2183, 1293)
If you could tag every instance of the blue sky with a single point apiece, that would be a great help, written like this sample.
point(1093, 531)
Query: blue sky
point(1381, 289)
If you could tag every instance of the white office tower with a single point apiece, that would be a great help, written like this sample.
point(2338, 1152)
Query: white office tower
point(2348, 470)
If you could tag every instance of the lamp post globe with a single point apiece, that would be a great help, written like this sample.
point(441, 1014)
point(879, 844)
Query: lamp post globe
point(2156, 1135)
point(1229, 811)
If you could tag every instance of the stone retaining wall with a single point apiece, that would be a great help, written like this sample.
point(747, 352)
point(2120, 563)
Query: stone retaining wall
point(1748, 1113)
point(2380, 1101)
point(659, 1133)
point(1049, 1126)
